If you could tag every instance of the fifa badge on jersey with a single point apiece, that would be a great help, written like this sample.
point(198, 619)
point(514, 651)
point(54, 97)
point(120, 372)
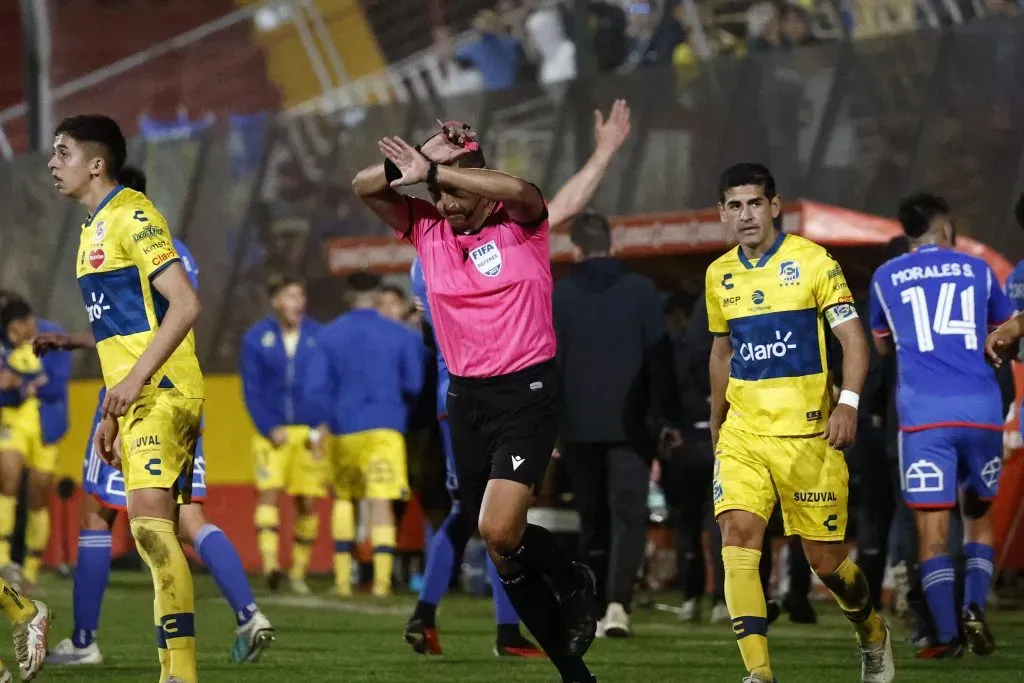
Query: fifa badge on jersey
point(789, 272)
point(101, 232)
point(268, 340)
point(487, 259)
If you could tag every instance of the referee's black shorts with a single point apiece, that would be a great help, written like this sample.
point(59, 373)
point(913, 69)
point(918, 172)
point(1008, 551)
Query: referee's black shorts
point(503, 427)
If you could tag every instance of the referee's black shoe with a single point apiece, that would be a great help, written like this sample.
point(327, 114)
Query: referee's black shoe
point(578, 620)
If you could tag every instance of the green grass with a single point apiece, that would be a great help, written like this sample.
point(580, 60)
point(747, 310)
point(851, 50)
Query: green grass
point(322, 640)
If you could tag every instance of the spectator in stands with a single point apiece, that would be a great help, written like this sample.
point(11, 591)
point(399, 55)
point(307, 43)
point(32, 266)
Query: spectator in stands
point(458, 79)
point(795, 25)
point(607, 23)
point(493, 52)
point(763, 27)
point(616, 362)
point(546, 34)
point(654, 31)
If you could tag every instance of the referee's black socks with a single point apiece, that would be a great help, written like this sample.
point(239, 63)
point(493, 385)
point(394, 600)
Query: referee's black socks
point(539, 551)
point(539, 611)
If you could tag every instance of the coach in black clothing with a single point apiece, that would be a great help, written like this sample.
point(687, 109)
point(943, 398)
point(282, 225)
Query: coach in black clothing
point(616, 362)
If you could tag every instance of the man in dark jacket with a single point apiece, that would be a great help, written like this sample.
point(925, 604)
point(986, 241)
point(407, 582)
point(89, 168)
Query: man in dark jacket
point(616, 361)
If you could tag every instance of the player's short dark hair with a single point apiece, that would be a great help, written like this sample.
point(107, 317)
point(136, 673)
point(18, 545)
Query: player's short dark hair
point(364, 282)
point(739, 175)
point(393, 289)
point(14, 308)
point(278, 281)
point(917, 212)
point(591, 233)
point(1018, 210)
point(101, 130)
point(133, 178)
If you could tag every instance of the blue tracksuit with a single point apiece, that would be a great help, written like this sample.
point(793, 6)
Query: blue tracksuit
point(371, 369)
point(274, 384)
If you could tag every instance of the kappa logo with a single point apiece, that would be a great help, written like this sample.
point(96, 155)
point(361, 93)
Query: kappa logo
point(97, 257)
point(517, 460)
point(487, 259)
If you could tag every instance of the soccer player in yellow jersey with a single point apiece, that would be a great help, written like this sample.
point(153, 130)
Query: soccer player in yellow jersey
point(141, 308)
point(30, 618)
point(775, 428)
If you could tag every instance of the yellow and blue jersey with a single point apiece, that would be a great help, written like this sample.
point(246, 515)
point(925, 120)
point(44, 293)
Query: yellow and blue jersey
point(124, 245)
point(774, 310)
point(51, 373)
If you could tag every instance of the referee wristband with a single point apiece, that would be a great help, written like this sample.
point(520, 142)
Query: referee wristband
point(847, 397)
point(391, 171)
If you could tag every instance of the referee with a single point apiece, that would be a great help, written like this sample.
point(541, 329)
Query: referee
point(483, 242)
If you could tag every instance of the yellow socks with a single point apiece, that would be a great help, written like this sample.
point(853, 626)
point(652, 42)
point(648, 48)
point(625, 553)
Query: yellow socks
point(343, 532)
point(745, 599)
point(383, 539)
point(172, 582)
point(37, 535)
point(306, 528)
point(162, 653)
point(268, 520)
point(16, 608)
point(850, 588)
point(8, 510)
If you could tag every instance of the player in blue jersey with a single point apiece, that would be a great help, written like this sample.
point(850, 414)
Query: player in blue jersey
point(933, 306)
point(1015, 283)
point(105, 487)
point(451, 538)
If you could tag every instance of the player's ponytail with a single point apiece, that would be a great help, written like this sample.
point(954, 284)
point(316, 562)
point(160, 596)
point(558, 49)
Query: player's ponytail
point(133, 178)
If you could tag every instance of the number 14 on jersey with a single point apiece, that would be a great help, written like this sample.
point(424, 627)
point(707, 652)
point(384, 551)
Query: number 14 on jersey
point(942, 321)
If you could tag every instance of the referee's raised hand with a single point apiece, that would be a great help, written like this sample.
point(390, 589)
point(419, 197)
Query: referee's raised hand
point(413, 165)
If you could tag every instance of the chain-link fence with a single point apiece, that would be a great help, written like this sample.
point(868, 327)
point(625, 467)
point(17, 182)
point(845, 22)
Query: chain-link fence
point(857, 124)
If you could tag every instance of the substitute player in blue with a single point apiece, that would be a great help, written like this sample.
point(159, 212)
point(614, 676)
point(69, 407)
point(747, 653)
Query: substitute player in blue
point(105, 489)
point(1015, 283)
point(934, 306)
point(451, 538)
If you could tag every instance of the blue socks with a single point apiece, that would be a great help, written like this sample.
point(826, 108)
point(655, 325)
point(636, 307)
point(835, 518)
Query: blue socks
point(978, 568)
point(938, 580)
point(504, 612)
point(449, 539)
point(221, 558)
point(440, 561)
point(92, 572)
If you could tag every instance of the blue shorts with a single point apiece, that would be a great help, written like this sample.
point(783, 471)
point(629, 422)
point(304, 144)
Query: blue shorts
point(106, 483)
point(935, 463)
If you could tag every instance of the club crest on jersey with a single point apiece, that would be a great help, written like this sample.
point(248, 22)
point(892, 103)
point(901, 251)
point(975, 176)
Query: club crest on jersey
point(101, 232)
point(487, 259)
point(268, 340)
point(96, 257)
point(789, 272)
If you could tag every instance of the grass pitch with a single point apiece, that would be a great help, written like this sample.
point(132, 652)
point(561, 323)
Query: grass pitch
point(322, 639)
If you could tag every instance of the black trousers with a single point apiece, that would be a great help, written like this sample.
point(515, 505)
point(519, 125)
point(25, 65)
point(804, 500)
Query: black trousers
point(609, 484)
point(874, 495)
point(686, 479)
